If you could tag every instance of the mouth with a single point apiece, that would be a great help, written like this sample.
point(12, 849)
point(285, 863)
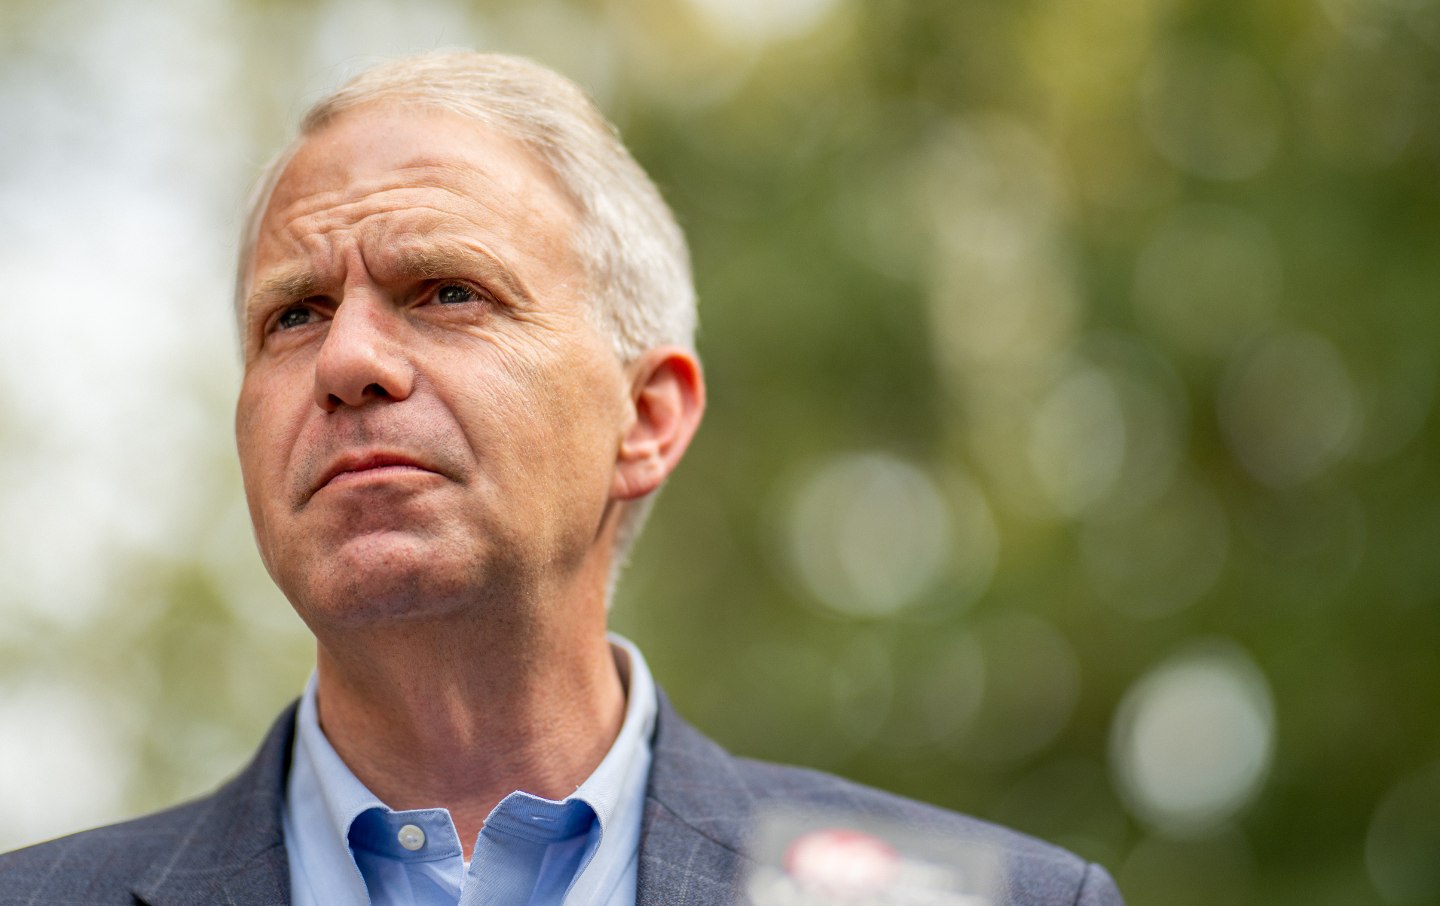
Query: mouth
point(362, 466)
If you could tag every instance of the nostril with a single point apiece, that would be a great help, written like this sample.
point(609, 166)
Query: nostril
point(377, 390)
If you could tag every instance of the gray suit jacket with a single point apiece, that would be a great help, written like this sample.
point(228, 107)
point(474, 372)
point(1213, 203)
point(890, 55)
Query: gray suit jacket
point(227, 848)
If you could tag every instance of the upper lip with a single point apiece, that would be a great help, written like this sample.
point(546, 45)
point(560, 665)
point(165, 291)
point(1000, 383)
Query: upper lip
point(360, 462)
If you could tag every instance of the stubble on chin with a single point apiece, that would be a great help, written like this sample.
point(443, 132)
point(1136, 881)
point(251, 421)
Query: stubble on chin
point(380, 585)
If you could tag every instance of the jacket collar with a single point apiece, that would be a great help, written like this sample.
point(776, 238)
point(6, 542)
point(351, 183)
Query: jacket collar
point(697, 811)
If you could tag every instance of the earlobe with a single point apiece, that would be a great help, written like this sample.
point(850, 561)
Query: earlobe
point(667, 396)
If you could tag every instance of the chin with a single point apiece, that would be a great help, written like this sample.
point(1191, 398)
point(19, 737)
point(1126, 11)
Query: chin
point(385, 580)
point(375, 604)
point(354, 591)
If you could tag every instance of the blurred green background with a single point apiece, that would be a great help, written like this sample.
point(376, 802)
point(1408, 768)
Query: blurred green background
point(1070, 457)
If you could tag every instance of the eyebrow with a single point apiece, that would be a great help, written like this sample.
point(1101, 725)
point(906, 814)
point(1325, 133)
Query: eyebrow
point(432, 262)
point(289, 285)
point(414, 262)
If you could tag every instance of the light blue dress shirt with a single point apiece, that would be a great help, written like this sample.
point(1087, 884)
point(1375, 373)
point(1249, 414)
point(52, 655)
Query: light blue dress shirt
point(345, 846)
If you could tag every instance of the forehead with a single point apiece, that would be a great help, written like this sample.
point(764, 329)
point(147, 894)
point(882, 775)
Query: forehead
point(391, 176)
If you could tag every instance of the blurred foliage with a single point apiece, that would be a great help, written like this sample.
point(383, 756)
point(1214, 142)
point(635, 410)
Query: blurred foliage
point(1055, 349)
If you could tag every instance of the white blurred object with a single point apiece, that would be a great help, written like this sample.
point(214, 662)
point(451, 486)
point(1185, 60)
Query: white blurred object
point(1192, 742)
point(869, 533)
point(831, 858)
point(762, 21)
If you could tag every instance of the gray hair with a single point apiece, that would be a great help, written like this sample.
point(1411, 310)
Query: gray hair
point(633, 253)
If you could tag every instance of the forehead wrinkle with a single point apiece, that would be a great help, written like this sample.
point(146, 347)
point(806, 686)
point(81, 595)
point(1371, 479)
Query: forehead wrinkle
point(512, 199)
point(307, 242)
point(422, 197)
point(419, 215)
point(453, 179)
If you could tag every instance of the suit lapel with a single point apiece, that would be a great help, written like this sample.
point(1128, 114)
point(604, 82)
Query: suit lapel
point(233, 850)
point(697, 810)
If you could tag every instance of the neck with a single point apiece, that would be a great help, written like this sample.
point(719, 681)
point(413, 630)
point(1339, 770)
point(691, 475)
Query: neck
point(460, 716)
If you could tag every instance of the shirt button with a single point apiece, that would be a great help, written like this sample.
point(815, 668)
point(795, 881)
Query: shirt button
point(411, 837)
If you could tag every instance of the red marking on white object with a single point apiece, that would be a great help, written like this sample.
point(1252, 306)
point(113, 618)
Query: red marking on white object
point(842, 862)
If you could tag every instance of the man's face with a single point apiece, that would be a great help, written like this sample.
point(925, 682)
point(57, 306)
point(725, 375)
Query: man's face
point(428, 416)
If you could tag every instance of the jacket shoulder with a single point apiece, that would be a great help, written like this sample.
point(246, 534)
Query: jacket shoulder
point(698, 785)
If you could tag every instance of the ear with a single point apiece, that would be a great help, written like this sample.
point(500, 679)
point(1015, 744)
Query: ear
point(667, 397)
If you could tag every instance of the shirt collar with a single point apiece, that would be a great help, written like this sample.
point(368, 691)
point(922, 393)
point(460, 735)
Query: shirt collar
point(324, 798)
point(341, 794)
point(616, 789)
point(604, 789)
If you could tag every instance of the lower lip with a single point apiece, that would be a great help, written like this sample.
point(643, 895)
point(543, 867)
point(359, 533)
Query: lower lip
point(378, 473)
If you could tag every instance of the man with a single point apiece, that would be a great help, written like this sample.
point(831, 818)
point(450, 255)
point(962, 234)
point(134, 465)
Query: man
point(467, 321)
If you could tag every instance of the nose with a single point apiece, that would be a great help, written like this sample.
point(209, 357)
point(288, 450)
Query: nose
point(362, 359)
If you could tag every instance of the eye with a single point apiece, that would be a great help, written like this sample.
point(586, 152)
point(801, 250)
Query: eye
point(456, 294)
point(294, 316)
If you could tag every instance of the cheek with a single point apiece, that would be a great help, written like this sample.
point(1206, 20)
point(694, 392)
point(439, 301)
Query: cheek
point(246, 444)
point(264, 426)
point(556, 422)
point(586, 416)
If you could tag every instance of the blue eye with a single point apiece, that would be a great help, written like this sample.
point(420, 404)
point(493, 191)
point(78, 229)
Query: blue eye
point(455, 294)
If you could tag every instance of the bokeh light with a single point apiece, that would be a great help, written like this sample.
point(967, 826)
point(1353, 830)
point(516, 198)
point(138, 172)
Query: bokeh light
point(1289, 408)
point(1403, 839)
point(1364, 106)
point(764, 20)
point(1212, 110)
point(1208, 279)
point(1002, 294)
point(1367, 23)
point(1077, 440)
point(868, 534)
point(1193, 739)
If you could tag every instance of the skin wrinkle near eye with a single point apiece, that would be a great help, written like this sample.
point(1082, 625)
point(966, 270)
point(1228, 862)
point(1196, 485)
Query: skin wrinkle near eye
point(465, 261)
